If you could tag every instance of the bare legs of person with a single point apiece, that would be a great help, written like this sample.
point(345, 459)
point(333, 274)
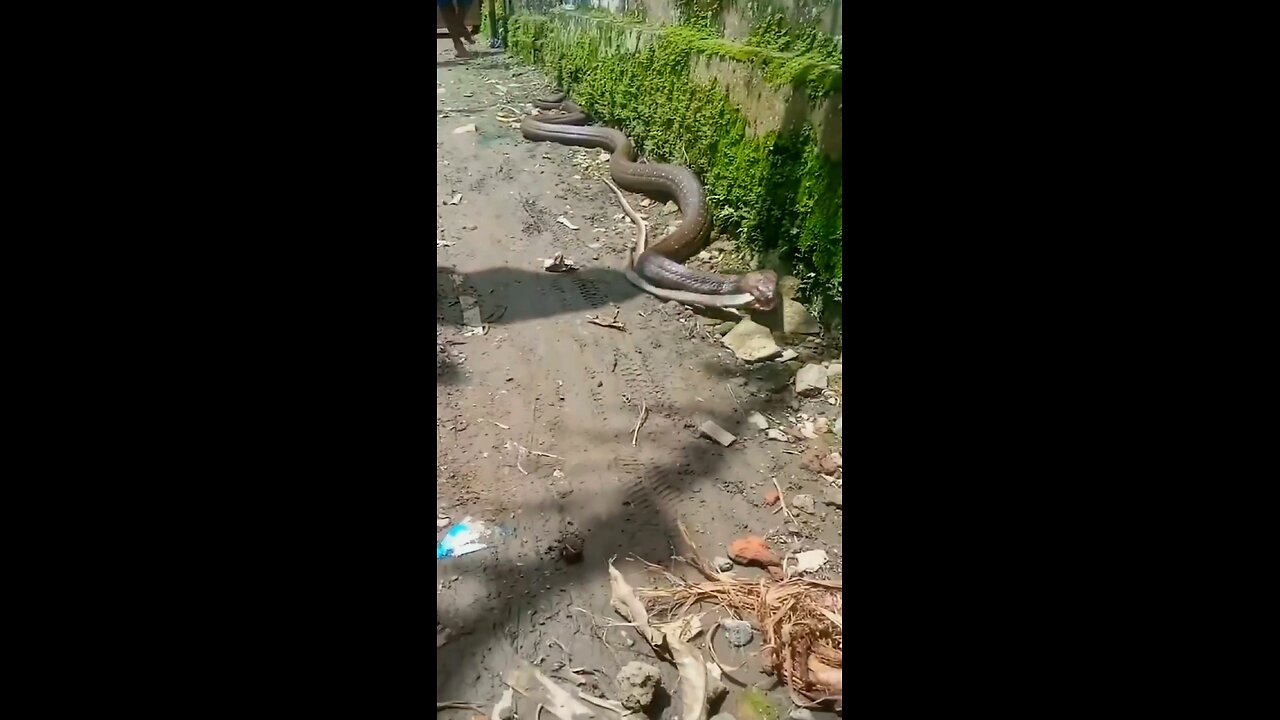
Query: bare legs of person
point(455, 19)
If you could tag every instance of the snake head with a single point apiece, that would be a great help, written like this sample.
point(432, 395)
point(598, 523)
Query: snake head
point(763, 285)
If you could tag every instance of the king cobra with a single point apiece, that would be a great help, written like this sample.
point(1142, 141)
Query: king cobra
point(659, 269)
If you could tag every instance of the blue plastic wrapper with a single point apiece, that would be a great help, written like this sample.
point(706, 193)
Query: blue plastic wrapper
point(462, 539)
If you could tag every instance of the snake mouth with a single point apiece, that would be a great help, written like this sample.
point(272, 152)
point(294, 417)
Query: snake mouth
point(763, 286)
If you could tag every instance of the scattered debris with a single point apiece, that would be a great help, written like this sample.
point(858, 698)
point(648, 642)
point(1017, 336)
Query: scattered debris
point(771, 498)
point(810, 560)
point(644, 412)
point(799, 621)
point(820, 461)
point(566, 223)
point(453, 200)
point(465, 129)
point(637, 682)
point(717, 433)
point(558, 263)
point(811, 380)
point(722, 564)
point(461, 539)
point(571, 546)
point(804, 503)
point(445, 243)
point(783, 501)
point(531, 683)
point(758, 420)
point(752, 342)
point(752, 551)
point(737, 632)
point(612, 322)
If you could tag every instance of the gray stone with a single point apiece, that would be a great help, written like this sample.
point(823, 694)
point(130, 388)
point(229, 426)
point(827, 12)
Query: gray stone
point(737, 632)
point(800, 714)
point(637, 682)
point(835, 370)
point(837, 429)
point(717, 433)
point(803, 503)
point(797, 320)
point(786, 355)
point(811, 380)
point(833, 496)
point(752, 342)
point(722, 564)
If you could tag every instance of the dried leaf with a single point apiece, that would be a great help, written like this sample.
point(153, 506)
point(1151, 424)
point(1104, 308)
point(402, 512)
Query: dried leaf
point(624, 602)
point(538, 687)
point(693, 678)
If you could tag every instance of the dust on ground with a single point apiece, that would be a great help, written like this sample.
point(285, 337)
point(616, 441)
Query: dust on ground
point(535, 412)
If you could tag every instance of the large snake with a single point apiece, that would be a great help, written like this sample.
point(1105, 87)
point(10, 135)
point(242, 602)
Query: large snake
point(658, 270)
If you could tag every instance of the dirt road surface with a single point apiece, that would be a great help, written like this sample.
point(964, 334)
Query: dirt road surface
point(543, 378)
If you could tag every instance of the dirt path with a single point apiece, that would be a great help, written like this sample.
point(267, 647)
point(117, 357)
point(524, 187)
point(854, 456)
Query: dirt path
point(543, 378)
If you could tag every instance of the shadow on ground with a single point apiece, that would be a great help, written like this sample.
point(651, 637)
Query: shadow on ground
point(509, 295)
point(643, 526)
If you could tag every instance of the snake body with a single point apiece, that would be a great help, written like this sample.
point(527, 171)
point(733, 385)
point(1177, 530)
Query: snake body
point(659, 269)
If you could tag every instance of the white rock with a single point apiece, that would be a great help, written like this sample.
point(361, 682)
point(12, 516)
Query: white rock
point(752, 342)
point(786, 355)
point(835, 370)
point(810, 560)
point(758, 420)
point(776, 434)
point(811, 380)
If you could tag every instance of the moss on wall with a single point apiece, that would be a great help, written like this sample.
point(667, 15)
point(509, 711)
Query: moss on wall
point(777, 191)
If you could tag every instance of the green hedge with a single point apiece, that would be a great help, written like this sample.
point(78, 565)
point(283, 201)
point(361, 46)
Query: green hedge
point(778, 192)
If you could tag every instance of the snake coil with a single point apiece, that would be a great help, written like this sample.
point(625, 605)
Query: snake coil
point(659, 269)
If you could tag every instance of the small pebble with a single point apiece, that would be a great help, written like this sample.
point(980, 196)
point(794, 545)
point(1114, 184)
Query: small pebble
point(737, 632)
point(723, 564)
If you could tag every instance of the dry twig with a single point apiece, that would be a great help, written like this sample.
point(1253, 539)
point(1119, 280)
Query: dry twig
point(644, 410)
point(783, 501)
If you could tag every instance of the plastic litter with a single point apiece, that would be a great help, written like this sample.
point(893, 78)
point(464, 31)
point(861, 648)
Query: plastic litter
point(462, 539)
